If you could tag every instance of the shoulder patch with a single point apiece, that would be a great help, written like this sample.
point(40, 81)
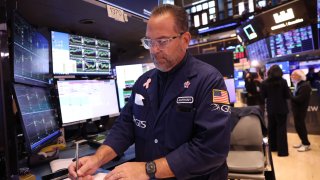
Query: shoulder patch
point(220, 96)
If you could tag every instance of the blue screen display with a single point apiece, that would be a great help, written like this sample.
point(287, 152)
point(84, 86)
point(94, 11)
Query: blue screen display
point(238, 74)
point(291, 42)
point(239, 84)
point(283, 65)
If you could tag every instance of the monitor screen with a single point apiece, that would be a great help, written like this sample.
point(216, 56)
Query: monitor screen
point(239, 84)
point(231, 89)
point(82, 100)
point(290, 42)
point(238, 74)
point(305, 65)
point(127, 76)
point(39, 119)
point(79, 55)
point(258, 50)
point(31, 54)
point(283, 65)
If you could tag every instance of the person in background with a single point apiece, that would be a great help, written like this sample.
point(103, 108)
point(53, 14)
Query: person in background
point(252, 85)
point(276, 92)
point(312, 76)
point(177, 115)
point(300, 103)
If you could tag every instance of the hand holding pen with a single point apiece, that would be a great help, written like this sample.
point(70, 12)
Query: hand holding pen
point(83, 167)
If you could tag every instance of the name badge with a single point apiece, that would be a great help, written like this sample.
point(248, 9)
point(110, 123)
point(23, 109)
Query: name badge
point(185, 99)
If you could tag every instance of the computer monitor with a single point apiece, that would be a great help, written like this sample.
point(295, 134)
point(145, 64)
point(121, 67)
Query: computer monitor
point(126, 77)
point(30, 54)
point(239, 84)
point(79, 55)
point(82, 100)
point(38, 116)
point(283, 65)
point(231, 89)
point(238, 74)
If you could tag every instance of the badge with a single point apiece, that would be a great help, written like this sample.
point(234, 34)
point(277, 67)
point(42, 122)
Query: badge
point(185, 99)
point(186, 84)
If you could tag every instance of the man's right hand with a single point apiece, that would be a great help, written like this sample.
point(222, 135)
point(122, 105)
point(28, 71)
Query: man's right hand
point(87, 166)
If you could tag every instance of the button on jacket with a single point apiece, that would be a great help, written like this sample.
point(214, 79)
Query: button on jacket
point(190, 127)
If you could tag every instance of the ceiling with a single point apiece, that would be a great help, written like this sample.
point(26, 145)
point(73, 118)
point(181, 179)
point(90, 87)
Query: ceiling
point(64, 15)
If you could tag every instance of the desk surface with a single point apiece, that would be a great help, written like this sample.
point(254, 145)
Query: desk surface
point(84, 150)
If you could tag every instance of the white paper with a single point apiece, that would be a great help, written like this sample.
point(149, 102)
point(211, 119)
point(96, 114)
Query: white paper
point(98, 176)
point(60, 164)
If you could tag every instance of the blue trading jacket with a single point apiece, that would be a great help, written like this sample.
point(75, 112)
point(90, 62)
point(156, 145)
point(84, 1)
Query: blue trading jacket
point(191, 127)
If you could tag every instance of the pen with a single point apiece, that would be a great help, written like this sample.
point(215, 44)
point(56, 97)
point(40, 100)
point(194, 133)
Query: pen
point(77, 158)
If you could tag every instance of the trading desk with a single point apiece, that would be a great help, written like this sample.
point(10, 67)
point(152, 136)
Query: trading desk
point(84, 150)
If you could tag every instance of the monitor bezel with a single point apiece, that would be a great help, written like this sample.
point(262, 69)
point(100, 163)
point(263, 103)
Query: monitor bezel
point(54, 136)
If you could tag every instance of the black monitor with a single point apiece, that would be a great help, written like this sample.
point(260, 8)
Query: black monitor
point(38, 116)
point(79, 55)
point(222, 61)
point(82, 100)
point(31, 54)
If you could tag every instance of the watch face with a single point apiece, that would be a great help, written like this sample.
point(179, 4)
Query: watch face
point(151, 167)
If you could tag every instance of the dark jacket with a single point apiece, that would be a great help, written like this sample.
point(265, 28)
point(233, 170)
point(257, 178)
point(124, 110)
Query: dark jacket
point(190, 129)
point(301, 97)
point(276, 92)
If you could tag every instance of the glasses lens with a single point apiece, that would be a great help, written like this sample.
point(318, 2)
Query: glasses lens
point(146, 43)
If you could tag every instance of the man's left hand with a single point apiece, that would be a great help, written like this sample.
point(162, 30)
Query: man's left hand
point(128, 171)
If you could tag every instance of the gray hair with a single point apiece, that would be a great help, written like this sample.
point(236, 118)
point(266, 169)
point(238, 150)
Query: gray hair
point(300, 73)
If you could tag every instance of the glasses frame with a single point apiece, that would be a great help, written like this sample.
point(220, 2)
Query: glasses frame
point(160, 43)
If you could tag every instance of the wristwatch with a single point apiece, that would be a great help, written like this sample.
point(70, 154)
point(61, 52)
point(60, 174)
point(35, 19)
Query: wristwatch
point(151, 169)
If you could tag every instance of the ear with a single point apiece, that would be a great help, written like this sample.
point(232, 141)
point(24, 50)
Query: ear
point(186, 37)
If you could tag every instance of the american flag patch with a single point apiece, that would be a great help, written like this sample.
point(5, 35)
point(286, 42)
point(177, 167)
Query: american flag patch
point(220, 96)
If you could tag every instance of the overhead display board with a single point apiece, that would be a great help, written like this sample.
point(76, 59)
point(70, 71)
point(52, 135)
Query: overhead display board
point(283, 18)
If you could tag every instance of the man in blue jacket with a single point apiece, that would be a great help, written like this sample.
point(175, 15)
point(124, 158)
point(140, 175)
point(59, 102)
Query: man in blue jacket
point(177, 115)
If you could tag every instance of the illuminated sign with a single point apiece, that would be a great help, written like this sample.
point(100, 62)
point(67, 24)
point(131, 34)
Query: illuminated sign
point(285, 24)
point(283, 16)
point(250, 32)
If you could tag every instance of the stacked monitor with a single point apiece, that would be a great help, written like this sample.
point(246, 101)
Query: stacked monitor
point(31, 86)
point(79, 55)
point(82, 100)
point(239, 79)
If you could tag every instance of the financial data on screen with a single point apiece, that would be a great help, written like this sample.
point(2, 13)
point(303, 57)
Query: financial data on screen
point(81, 100)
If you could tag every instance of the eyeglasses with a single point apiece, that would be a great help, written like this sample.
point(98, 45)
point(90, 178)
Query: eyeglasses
point(160, 43)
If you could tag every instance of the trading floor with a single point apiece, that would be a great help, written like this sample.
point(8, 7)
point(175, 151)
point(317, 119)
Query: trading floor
point(299, 165)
